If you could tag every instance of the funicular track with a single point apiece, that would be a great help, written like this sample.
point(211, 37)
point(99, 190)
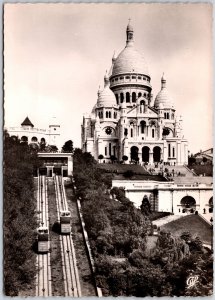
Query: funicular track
point(70, 271)
point(43, 278)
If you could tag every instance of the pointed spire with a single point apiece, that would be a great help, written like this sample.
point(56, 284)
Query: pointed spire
point(163, 81)
point(114, 56)
point(129, 34)
point(106, 79)
point(99, 91)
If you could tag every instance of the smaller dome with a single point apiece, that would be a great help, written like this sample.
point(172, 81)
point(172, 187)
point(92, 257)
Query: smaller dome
point(106, 98)
point(163, 99)
point(94, 109)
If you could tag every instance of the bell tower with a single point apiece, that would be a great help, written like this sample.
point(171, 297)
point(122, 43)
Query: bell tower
point(54, 133)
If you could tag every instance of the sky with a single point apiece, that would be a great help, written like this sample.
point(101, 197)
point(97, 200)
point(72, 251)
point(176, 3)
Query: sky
point(56, 56)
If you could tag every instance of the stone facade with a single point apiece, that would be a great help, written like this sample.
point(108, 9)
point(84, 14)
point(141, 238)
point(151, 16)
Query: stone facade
point(28, 133)
point(126, 121)
point(169, 196)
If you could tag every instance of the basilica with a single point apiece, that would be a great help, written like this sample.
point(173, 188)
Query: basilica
point(126, 123)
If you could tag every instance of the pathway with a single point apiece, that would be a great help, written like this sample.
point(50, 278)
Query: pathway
point(166, 220)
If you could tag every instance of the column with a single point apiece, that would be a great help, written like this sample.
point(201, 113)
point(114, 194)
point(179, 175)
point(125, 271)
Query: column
point(178, 154)
point(151, 157)
point(140, 157)
point(70, 165)
point(161, 158)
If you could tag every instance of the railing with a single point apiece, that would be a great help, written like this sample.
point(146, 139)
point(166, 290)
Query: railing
point(26, 129)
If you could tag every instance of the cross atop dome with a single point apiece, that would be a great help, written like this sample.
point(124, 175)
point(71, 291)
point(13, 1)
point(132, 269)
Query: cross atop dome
point(129, 27)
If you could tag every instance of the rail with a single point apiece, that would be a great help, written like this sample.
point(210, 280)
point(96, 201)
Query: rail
point(70, 272)
point(43, 277)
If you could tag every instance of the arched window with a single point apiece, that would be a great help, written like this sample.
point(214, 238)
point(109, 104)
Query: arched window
point(142, 103)
point(105, 151)
point(121, 97)
point(110, 149)
point(117, 99)
point(131, 132)
point(24, 139)
point(106, 114)
point(173, 151)
point(169, 150)
point(34, 139)
point(43, 140)
point(109, 114)
point(139, 95)
point(153, 133)
point(133, 97)
point(127, 97)
point(114, 150)
point(167, 115)
point(142, 126)
point(145, 95)
point(164, 115)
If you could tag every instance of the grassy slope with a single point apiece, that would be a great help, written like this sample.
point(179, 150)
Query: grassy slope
point(203, 169)
point(193, 223)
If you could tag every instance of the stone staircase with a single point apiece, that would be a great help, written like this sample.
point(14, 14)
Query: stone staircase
point(167, 219)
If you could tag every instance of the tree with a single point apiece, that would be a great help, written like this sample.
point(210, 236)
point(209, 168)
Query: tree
point(191, 160)
point(125, 158)
point(19, 215)
point(51, 148)
point(204, 159)
point(128, 173)
point(145, 206)
point(100, 156)
point(68, 147)
point(113, 158)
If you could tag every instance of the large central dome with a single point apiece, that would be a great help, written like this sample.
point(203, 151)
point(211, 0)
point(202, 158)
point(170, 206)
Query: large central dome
point(129, 60)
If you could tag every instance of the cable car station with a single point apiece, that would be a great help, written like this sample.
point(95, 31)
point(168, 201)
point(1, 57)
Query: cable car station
point(56, 164)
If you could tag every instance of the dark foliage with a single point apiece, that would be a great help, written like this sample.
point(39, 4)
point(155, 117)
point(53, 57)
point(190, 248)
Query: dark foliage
point(68, 147)
point(19, 215)
point(118, 234)
point(128, 174)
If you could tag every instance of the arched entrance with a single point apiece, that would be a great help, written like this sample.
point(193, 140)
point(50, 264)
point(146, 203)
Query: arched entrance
point(134, 154)
point(145, 154)
point(24, 139)
point(157, 154)
point(210, 205)
point(188, 204)
point(145, 206)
